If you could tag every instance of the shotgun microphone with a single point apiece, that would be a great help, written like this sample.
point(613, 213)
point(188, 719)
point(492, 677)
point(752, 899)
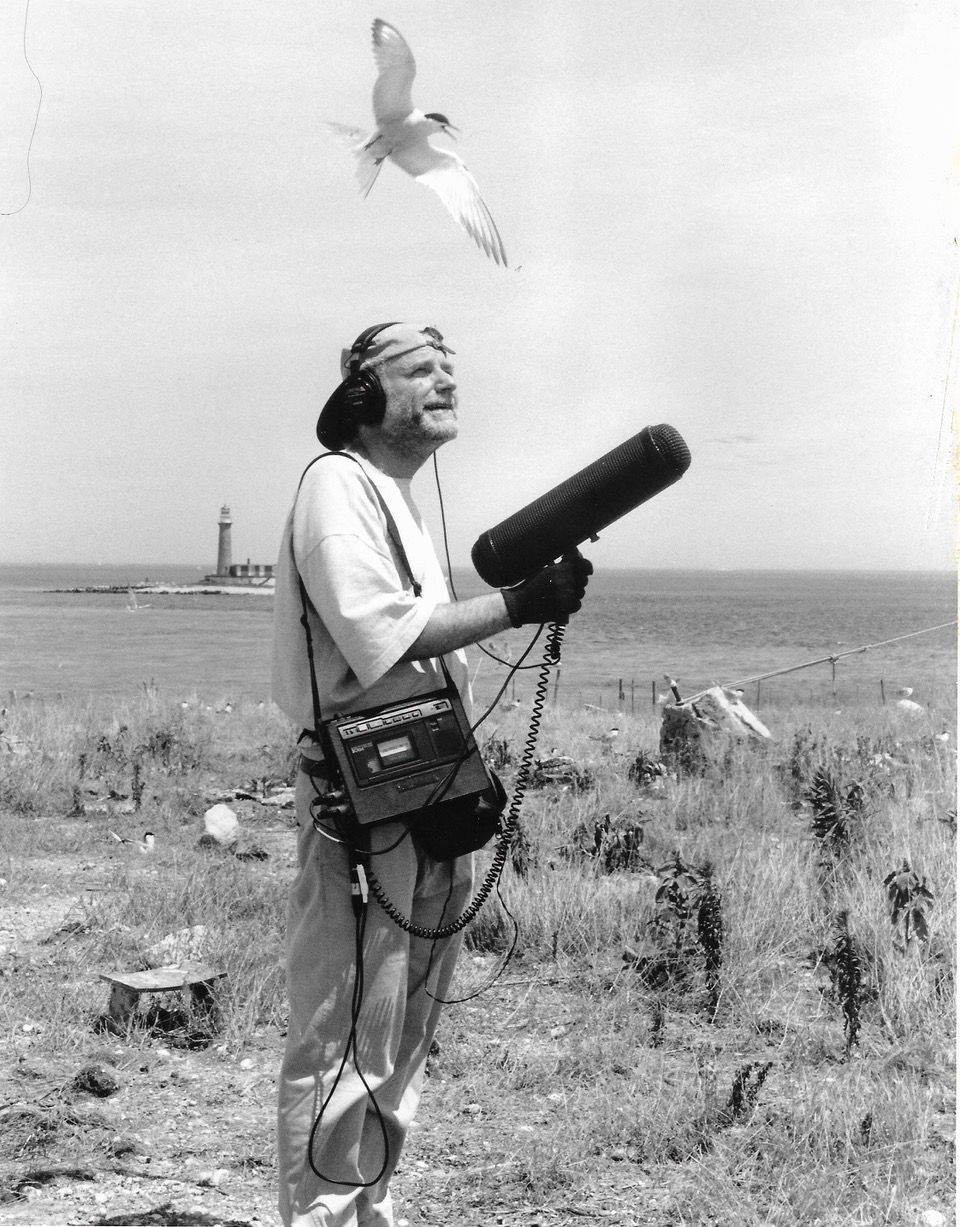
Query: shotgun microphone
point(577, 509)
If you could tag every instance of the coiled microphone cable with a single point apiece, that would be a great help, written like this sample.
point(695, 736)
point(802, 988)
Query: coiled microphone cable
point(551, 656)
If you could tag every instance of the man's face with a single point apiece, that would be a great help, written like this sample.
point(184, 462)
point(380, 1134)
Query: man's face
point(421, 411)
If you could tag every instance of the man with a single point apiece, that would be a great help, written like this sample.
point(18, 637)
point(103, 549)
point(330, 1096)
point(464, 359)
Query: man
point(379, 616)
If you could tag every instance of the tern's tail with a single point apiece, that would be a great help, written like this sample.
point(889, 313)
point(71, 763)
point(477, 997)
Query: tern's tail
point(368, 163)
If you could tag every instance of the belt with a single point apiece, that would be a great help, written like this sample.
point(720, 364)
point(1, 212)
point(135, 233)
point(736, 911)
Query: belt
point(316, 768)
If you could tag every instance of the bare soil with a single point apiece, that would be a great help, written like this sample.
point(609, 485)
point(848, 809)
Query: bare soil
point(187, 1135)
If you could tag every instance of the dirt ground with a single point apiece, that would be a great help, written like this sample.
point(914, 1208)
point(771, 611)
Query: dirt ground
point(185, 1136)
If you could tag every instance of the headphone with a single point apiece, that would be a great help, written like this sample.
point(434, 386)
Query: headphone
point(359, 400)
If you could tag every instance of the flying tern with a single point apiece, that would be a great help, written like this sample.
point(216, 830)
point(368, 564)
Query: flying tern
point(403, 134)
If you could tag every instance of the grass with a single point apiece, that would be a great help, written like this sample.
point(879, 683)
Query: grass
point(732, 993)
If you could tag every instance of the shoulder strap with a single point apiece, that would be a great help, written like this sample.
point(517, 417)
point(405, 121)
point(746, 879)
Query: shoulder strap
point(304, 618)
point(392, 530)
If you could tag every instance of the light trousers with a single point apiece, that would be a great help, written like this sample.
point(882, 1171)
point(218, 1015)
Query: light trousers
point(369, 1103)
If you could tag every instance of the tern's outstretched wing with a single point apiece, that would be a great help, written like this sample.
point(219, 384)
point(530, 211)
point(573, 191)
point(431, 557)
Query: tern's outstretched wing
point(446, 174)
point(368, 167)
point(392, 98)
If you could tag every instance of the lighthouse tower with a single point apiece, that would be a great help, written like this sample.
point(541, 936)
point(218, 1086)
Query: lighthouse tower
point(224, 547)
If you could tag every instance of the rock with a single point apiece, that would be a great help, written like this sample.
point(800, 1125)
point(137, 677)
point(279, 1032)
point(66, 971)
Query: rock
point(222, 825)
point(692, 731)
point(184, 946)
point(284, 798)
point(214, 1179)
point(933, 1218)
point(253, 853)
point(95, 1080)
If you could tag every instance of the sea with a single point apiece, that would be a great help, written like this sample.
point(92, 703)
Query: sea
point(825, 635)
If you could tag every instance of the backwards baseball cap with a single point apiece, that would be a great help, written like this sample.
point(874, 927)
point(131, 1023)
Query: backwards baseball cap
point(373, 348)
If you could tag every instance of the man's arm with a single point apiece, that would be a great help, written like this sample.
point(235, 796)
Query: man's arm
point(461, 623)
point(550, 595)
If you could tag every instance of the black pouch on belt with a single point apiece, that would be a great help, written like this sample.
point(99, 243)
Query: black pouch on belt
point(454, 828)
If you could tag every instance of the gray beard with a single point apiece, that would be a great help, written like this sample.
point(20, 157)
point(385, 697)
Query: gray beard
point(411, 440)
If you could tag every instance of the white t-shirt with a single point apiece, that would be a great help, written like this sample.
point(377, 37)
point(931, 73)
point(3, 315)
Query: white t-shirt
point(362, 611)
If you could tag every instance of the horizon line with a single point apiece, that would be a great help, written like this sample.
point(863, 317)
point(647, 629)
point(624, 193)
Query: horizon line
point(211, 568)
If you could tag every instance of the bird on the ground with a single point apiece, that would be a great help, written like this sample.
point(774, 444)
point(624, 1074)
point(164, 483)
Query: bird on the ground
point(147, 845)
point(403, 135)
point(608, 738)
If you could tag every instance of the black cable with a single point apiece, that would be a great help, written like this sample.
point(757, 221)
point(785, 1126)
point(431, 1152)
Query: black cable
point(491, 980)
point(446, 551)
point(356, 1002)
point(551, 655)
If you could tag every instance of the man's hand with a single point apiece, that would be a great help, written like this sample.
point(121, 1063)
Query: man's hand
point(551, 595)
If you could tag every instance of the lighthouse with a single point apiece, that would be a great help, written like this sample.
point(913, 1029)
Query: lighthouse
point(230, 574)
point(224, 546)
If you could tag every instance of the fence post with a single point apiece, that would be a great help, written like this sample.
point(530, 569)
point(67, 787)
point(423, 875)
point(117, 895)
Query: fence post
point(883, 697)
point(653, 691)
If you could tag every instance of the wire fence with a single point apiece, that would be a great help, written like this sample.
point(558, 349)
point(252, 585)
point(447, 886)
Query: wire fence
point(828, 679)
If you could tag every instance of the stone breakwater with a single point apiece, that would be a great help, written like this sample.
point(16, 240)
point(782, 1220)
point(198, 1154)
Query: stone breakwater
point(264, 589)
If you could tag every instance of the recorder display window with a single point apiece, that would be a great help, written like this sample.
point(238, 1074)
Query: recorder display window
point(396, 750)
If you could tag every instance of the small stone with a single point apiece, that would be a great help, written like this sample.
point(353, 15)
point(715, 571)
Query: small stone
point(184, 946)
point(222, 825)
point(214, 1179)
point(247, 1063)
point(95, 1080)
point(933, 1218)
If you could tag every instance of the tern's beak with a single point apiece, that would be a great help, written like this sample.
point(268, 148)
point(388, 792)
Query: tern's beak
point(449, 129)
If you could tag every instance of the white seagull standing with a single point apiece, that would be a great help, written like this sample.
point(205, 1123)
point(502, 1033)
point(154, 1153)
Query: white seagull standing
point(403, 134)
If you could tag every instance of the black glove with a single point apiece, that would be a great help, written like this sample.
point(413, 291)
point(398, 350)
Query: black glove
point(551, 595)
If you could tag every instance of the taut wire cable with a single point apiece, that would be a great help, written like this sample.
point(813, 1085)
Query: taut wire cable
point(821, 660)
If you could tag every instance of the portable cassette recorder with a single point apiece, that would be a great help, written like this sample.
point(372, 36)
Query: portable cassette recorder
point(396, 759)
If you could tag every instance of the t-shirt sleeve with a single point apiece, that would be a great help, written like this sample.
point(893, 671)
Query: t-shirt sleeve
point(344, 556)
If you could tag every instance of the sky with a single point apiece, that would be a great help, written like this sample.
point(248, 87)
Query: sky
point(738, 219)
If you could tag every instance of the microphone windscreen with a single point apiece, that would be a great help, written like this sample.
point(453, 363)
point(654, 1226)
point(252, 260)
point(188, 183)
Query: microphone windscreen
point(577, 509)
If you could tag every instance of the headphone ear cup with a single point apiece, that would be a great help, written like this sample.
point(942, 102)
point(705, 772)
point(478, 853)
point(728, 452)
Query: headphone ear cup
point(364, 397)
